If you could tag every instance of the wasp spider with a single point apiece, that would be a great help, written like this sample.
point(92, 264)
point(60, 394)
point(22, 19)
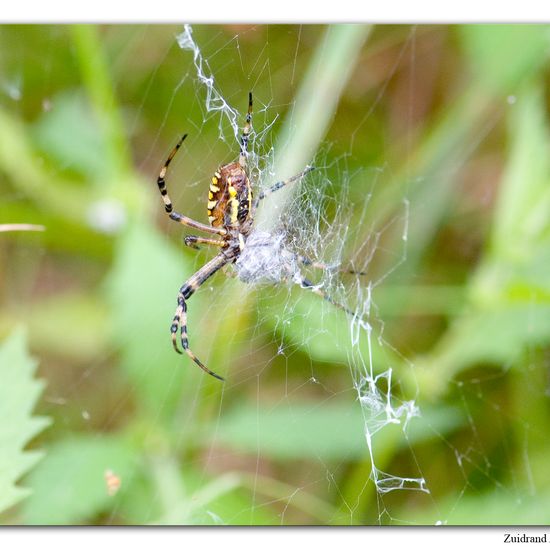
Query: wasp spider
point(231, 209)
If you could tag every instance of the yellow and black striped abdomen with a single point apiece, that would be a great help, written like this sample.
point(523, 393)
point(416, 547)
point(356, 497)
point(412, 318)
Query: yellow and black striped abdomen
point(229, 197)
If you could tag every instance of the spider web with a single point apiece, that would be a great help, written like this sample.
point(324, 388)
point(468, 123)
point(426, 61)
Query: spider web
point(323, 417)
point(323, 224)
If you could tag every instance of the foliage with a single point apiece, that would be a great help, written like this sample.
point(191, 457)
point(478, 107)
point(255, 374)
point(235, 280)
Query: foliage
point(19, 393)
point(453, 118)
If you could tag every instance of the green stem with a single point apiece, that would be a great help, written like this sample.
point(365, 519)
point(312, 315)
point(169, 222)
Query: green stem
point(300, 499)
point(171, 491)
point(95, 74)
point(315, 107)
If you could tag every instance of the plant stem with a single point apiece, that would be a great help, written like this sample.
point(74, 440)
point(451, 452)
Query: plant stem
point(315, 107)
point(95, 74)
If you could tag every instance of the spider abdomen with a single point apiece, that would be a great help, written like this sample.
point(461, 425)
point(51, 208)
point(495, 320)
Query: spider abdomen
point(230, 197)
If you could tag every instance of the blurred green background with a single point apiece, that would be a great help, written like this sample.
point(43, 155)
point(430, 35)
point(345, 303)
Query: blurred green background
point(102, 423)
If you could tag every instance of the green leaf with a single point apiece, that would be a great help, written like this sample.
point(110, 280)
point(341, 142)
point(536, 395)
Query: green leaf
point(219, 501)
point(70, 135)
point(19, 392)
point(497, 337)
point(234, 508)
point(70, 486)
point(142, 290)
point(321, 330)
point(326, 431)
point(500, 507)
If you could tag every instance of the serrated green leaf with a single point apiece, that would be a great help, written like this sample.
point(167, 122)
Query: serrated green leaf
point(19, 392)
point(69, 485)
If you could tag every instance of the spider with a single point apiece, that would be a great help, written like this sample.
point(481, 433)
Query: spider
point(231, 210)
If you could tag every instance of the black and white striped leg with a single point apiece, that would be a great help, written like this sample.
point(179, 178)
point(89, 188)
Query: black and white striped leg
point(180, 317)
point(192, 241)
point(246, 133)
point(308, 285)
point(279, 185)
point(168, 206)
point(180, 321)
point(325, 267)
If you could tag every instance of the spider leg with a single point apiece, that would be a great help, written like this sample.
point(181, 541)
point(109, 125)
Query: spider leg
point(279, 185)
point(180, 318)
point(308, 285)
point(192, 240)
point(246, 132)
point(325, 267)
point(176, 216)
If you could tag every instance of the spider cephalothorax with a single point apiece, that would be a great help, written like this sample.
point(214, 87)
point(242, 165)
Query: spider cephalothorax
point(231, 208)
